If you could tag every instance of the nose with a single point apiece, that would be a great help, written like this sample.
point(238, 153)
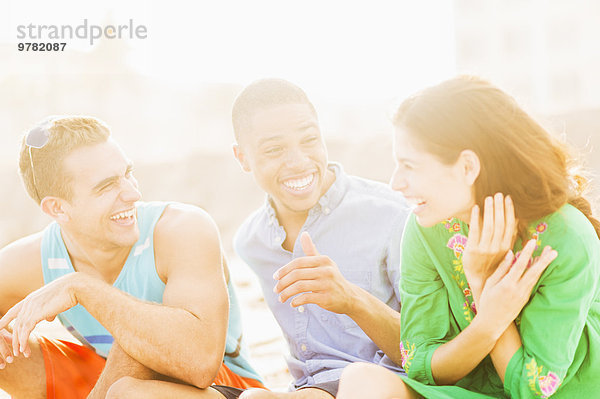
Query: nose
point(129, 190)
point(295, 158)
point(398, 181)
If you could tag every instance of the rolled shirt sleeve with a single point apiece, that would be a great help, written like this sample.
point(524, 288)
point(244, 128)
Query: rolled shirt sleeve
point(425, 317)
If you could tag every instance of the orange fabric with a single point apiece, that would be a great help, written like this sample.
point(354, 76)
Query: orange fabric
point(72, 370)
point(230, 379)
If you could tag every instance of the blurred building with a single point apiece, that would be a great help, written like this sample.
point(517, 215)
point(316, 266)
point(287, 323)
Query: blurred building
point(545, 52)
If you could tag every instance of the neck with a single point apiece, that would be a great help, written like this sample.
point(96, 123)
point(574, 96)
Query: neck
point(95, 259)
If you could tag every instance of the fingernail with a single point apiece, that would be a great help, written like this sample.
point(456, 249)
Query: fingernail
point(280, 299)
point(9, 359)
point(276, 275)
point(275, 289)
point(2, 365)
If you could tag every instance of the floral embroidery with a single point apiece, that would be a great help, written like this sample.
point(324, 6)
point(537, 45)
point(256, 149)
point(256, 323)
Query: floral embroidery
point(535, 235)
point(448, 225)
point(407, 355)
point(457, 243)
point(537, 231)
point(546, 384)
point(540, 228)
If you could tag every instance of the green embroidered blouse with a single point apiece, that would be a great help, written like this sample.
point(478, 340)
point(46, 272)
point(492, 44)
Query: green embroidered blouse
point(559, 327)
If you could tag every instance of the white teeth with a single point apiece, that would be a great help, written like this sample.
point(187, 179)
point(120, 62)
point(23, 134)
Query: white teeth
point(123, 215)
point(299, 184)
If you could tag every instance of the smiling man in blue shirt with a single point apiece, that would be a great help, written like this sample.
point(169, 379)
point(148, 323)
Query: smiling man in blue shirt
point(325, 245)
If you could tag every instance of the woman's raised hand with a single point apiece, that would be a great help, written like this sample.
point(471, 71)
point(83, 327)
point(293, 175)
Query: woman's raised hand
point(508, 289)
point(489, 238)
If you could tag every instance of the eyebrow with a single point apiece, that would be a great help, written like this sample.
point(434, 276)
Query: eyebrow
point(111, 179)
point(303, 127)
point(268, 139)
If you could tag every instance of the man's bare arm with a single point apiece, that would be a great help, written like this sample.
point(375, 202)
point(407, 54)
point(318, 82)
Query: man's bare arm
point(185, 336)
point(20, 270)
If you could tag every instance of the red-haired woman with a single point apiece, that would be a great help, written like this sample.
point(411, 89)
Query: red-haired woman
point(500, 258)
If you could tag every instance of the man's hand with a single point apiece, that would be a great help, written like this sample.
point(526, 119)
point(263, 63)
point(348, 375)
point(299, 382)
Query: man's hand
point(486, 246)
point(6, 355)
point(317, 279)
point(42, 304)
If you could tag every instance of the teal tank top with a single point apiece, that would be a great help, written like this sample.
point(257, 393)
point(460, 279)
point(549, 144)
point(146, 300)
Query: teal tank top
point(139, 279)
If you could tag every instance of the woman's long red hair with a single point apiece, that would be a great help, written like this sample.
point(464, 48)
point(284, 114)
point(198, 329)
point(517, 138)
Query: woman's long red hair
point(517, 155)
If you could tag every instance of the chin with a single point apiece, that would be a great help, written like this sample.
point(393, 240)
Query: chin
point(127, 240)
point(427, 221)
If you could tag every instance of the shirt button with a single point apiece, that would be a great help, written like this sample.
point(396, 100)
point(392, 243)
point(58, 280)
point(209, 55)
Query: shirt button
point(301, 309)
point(327, 211)
point(303, 347)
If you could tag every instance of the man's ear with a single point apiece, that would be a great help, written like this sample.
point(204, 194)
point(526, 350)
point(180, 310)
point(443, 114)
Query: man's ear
point(470, 166)
point(55, 208)
point(239, 154)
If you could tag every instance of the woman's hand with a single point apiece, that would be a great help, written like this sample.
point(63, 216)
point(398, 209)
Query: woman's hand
point(508, 289)
point(486, 246)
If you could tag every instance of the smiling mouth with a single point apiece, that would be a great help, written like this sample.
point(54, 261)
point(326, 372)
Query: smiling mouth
point(415, 201)
point(299, 184)
point(125, 217)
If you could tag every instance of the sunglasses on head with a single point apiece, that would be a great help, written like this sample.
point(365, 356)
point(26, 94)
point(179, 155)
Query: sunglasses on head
point(37, 138)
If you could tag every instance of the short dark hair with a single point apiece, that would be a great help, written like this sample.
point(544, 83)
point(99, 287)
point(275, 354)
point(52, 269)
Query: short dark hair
point(262, 94)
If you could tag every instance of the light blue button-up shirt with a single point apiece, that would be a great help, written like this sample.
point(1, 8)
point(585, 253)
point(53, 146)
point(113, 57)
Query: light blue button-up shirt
point(357, 223)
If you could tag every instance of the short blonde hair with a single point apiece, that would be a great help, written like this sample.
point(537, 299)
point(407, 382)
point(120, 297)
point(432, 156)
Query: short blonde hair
point(65, 134)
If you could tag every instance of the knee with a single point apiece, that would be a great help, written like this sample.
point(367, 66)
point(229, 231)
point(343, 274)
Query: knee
point(357, 372)
point(124, 387)
point(354, 379)
point(364, 380)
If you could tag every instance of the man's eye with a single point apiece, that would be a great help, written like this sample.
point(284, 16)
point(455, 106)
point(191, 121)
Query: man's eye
point(273, 150)
point(106, 187)
point(310, 140)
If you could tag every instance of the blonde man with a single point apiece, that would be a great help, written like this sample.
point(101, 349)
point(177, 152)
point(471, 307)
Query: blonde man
point(141, 285)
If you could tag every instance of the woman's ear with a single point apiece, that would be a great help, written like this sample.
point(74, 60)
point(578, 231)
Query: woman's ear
point(470, 166)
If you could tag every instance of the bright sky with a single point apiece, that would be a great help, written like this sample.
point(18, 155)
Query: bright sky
point(340, 50)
